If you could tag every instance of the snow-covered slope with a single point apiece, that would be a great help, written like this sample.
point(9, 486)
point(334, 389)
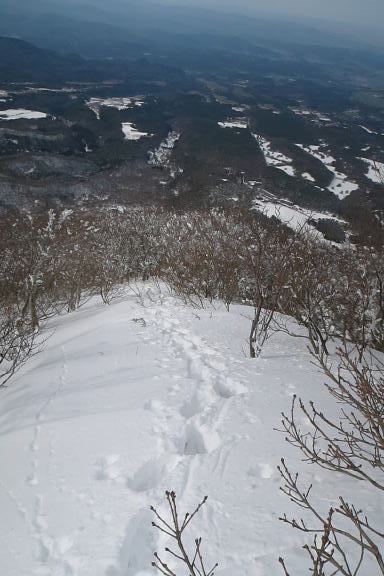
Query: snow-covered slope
point(145, 395)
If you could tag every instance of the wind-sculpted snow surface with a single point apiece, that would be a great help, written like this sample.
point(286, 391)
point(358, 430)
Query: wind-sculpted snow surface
point(134, 398)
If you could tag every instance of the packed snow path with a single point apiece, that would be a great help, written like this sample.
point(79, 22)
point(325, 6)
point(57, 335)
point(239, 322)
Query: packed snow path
point(141, 396)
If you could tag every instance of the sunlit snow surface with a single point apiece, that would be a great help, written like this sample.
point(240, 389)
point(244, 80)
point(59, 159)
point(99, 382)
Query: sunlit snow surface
point(340, 184)
point(145, 395)
point(20, 113)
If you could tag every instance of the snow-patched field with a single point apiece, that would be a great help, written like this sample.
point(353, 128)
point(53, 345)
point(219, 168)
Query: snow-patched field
point(368, 130)
point(120, 103)
point(145, 395)
point(294, 216)
point(132, 133)
point(241, 123)
point(375, 170)
point(340, 184)
point(274, 158)
point(162, 155)
point(17, 114)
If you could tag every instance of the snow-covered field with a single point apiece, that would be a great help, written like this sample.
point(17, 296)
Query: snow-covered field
point(16, 114)
point(375, 170)
point(131, 133)
point(95, 104)
point(340, 184)
point(307, 176)
point(294, 216)
point(313, 114)
point(274, 158)
point(145, 395)
point(241, 123)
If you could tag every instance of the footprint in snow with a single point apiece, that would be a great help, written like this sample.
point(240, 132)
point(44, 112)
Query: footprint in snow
point(151, 474)
point(107, 468)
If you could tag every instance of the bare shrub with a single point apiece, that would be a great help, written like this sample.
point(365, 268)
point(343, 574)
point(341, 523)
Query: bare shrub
point(352, 445)
point(17, 343)
point(174, 527)
point(266, 252)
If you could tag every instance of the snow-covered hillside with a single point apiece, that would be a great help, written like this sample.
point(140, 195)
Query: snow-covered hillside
point(141, 396)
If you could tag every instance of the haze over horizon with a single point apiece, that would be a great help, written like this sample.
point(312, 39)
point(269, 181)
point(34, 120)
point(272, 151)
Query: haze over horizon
point(335, 11)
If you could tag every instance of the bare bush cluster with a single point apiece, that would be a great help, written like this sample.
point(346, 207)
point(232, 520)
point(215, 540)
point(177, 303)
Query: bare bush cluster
point(344, 538)
point(54, 261)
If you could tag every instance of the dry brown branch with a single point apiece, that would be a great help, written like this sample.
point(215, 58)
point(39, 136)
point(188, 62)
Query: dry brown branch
point(174, 528)
point(352, 445)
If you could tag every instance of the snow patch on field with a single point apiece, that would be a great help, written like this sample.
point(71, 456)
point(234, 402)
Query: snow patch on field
point(294, 216)
point(312, 114)
point(122, 103)
point(161, 156)
point(375, 170)
point(274, 158)
point(21, 113)
point(241, 123)
point(307, 176)
point(340, 184)
point(131, 133)
point(42, 89)
point(368, 130)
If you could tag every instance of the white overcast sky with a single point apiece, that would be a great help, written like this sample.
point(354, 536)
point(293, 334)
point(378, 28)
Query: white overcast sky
point(359, 12)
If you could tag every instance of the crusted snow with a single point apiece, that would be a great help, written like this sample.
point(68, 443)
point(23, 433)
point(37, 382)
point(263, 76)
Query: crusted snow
point(340, 184)
point(274, 158)
point(375, 170)
point(21, 113)
point(130, 132)
point(145, 395)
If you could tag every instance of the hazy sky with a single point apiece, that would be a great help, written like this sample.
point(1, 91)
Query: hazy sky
point(366, 12)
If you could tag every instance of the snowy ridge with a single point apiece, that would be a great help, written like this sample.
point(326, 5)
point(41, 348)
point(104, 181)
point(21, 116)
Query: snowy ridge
point(141, 396)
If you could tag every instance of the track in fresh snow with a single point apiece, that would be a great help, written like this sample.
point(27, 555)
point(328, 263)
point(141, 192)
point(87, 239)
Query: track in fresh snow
point(129, 400)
